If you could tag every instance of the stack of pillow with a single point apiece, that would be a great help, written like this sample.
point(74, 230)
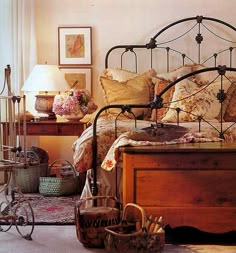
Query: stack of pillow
point(196, 95)
point(125, 87)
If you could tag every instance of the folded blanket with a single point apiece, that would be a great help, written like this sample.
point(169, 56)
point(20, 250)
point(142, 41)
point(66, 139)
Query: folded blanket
point(131, 139)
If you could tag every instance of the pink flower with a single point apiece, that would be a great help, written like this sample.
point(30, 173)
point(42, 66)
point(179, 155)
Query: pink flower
point(74, 102)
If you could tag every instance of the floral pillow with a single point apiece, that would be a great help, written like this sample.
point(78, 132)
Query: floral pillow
point(199, 101)
point(160, 81)
point(133, 91)
point(175, 74)
point(204, 77)
point(159, 85)
point(230, 113)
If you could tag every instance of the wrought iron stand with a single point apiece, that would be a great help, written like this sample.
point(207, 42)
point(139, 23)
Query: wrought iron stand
point(15, 209)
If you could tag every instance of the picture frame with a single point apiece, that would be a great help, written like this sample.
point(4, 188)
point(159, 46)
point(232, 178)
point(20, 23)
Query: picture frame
point(74, 46)
point(80, 78)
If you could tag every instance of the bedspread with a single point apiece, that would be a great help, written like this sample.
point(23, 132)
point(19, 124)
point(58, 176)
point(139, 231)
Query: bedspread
point(128, 134)
point(125, 139)
point(82, 147)
point(109, 180)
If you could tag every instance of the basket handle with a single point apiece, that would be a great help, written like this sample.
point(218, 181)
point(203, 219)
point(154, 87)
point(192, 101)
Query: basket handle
point(125, 212)
point(62, 160)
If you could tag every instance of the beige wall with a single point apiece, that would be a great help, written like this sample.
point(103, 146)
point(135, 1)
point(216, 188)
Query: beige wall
point(113, 22)
point(116, 22)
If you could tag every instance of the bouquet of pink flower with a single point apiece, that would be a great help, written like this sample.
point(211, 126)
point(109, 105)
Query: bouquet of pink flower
point(74, 102)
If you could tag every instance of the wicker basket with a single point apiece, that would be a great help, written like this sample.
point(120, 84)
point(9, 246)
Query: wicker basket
point(27, 178)
point(91, 221)
point(126, 238)
point(53, 186)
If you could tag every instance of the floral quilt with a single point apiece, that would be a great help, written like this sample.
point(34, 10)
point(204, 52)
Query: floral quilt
point(129, 134)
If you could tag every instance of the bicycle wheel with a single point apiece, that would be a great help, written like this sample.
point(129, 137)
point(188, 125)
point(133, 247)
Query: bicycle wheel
point(24, 219)
point(6, 216)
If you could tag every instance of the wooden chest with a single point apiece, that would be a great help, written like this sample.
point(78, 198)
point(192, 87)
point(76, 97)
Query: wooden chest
point(188, 184)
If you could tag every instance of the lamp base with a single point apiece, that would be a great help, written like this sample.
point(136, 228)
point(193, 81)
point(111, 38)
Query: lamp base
point(44, 104)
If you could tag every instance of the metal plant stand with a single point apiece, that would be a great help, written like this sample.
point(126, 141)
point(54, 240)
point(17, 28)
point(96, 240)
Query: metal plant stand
point(15, 209)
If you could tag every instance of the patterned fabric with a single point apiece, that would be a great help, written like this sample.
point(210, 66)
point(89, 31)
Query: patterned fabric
point(112, 156)
point(82, 147)
point(196, 101)
point(230, 114)
point(53, 210)
point(109, 181)
point(161, 84)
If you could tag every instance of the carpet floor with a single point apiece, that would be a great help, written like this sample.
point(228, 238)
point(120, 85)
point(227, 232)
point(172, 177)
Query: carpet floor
point(58, 233)
point(60, 211)
point(61, 239)
point(53, 210)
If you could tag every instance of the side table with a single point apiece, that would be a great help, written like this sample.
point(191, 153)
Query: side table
point(45, 128)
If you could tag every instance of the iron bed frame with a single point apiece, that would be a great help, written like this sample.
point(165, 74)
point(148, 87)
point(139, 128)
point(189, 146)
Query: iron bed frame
point(157, 103)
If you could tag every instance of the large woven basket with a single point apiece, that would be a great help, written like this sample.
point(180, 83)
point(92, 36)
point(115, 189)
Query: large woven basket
point(126, 238)
point(53, 186)
point(91, 221)
point(27, 178)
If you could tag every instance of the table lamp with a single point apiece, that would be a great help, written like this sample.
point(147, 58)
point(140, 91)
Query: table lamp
point(45, 78)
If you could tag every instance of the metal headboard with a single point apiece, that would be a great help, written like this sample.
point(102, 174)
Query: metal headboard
point(158, 101)
point(154, 43)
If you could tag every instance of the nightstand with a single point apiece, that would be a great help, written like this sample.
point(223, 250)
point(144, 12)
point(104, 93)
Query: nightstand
point(45, 128)
point(50, 128)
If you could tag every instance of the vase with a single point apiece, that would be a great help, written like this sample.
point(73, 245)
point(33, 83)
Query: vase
point(74, 117)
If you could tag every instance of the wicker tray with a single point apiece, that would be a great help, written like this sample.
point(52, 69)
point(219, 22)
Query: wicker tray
point(126, 238)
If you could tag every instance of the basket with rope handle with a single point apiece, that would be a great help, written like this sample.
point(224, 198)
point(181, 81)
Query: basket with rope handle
point(91, 221)
point(130, 238)
point(54, 186)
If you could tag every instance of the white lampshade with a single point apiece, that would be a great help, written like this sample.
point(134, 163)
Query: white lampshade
point(46, 78)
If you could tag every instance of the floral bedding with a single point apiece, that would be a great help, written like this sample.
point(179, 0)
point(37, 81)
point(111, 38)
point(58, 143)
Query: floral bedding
point(128, 134)
point(109, 180)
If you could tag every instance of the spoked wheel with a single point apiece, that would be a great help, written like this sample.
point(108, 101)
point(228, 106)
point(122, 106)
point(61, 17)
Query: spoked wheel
point(24, 219)
point(6, 217)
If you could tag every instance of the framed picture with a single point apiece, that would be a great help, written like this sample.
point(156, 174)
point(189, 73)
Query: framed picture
point(80, 78)
point(75, 45)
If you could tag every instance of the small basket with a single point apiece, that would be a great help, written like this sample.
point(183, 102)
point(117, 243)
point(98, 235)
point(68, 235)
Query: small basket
point(91, 221)
point(126, 238)
point(53, 186)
